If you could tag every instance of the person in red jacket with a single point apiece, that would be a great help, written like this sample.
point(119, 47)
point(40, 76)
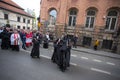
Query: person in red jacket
point(28, 39)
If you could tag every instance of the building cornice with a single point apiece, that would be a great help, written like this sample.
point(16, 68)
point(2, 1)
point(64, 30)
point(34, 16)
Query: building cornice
point(16, 12)
point(11, 4)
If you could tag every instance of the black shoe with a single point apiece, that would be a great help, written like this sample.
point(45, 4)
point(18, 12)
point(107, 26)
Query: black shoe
point(32, 56)
point(24, 48)
point(38, 57)
point(63, 70)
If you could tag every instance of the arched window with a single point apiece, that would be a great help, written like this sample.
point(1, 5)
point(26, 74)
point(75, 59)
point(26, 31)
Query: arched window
point(72, 18)
point(111, 20)
point(52, 17)
point(90, 18)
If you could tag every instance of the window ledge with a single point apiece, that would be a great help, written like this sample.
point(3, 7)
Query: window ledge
point(89, 29)
point(110, 31)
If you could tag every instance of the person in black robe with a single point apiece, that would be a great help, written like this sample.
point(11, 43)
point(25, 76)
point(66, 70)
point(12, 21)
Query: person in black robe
point(45, 43)
point(35, 50)
point(69, 45)
point(62, 60)
point(5, 36)
point(55, 52)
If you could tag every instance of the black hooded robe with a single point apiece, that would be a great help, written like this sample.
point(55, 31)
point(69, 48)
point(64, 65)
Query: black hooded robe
point(35, 49)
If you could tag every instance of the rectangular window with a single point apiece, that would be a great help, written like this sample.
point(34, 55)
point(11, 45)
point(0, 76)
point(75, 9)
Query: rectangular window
point(72, 20)
point(18, 27)
point(87, 41)
point(23, 27)
point(107, 44)
point(18, 19)
point(23, 20)
point(90, 22)
point(28, 27)
point(6, 16)
point(28, 21)
point(111, 23)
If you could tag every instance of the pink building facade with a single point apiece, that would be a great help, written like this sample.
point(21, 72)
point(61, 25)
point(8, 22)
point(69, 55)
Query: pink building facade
point(89, 19)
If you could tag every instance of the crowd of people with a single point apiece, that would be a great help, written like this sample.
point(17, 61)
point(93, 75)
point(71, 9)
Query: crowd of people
point(12, 38)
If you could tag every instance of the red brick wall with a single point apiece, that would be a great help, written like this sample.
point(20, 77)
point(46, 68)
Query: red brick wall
point(63, 7)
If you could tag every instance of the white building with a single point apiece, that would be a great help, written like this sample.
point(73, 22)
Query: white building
point(13, 14)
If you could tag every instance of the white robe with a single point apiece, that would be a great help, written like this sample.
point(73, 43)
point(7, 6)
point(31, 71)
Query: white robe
point(47, 36)
point(15, 39)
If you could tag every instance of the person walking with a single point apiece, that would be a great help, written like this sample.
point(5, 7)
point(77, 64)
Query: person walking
point(5, 37)
point(15, 40)
point(1, 30)
point(96, 44)
point(35, 49)
point(55, 52)
point(75, 39)
point(23, 38)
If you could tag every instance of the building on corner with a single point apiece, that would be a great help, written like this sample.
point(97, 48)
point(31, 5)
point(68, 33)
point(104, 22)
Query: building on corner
point(11, 13)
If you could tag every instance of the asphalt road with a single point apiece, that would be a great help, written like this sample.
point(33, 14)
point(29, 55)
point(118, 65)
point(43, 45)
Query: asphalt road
point(20, 66)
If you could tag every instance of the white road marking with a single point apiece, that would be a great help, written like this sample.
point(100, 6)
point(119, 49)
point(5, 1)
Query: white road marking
point(40, 55)
point(102, 71)
point(47, 57)
point(84, 57)
point(110, 63)
point(74, 55)
point(96, 60)
point(52, 50)
point(73, 64)
point(25, 50)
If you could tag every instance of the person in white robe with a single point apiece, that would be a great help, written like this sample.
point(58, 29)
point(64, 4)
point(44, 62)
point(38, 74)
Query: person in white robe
point(15, 40)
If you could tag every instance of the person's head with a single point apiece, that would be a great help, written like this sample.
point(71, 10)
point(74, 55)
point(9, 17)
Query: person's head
point(47, 33)
point(76, 35)
point(15, 31)
point(7, 27)
point(1, 28)
point(22, 30)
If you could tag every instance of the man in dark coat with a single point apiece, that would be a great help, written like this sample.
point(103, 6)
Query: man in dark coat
point(23, 38)
point(39, 37)
point(55, 52)
point(45, 42)
point(35, 49)
point(5, 36)
point(62, 60)
point(75, 38)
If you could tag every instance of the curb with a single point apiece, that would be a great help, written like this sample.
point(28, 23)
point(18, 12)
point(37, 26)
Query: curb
point(97, 54)
point(93, 53)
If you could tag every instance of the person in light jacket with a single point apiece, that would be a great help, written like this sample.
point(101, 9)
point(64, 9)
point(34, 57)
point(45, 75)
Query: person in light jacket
point(15, 40)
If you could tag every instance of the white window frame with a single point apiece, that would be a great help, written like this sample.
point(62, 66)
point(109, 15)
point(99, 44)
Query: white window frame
point(90, 16)
point(90, 22)
point(73, 16)
point(109, 27)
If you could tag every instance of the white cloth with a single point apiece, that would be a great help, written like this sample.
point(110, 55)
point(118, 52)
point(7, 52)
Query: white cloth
point(1, 39)
point(47, 36)
point(28, 40)
point(1, 31)
point(15, 39)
